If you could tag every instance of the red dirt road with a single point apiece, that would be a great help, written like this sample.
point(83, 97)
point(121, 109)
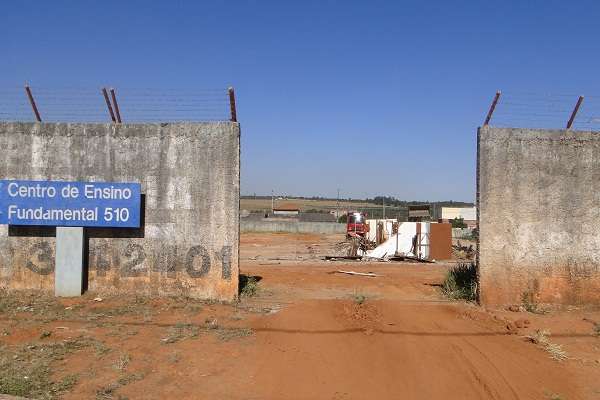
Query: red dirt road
point(307, 334)
point(403, 342)
point(314, 341)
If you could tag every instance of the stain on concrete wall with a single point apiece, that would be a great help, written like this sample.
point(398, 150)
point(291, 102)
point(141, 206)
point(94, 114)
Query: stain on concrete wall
point(189, 172)
point(539, 216)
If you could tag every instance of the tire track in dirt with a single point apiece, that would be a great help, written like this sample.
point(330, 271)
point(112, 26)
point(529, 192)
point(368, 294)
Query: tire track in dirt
point(490, 392)
point(493, 366)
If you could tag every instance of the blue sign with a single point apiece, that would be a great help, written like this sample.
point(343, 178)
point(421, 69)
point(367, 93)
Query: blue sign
point(56, 203)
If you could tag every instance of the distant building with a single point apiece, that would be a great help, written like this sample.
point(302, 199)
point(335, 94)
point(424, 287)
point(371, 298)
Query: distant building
point(287, 210)
point(468, 214)
point(419, 213)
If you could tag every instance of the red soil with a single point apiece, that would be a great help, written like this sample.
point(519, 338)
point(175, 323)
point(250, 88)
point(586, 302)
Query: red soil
point(313, 338)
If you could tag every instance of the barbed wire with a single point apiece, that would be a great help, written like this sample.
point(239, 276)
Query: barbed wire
point(142, 104)
point(76, 104)
point(546, 110)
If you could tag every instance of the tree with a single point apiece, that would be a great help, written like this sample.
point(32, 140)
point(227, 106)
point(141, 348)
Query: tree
point(458, 223)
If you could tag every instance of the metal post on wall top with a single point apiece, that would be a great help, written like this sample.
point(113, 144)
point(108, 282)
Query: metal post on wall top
point(492, 108)
point(32, 102)
point(232, 104)
point(108, 105)
point(115, 105)
point(574, 113)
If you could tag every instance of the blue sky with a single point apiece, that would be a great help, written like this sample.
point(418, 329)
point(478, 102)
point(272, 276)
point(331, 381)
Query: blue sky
point(378, 97)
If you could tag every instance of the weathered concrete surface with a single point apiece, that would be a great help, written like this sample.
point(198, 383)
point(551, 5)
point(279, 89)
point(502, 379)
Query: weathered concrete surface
point(539, 209)
point(291, 226)
point(188, 244)
point(68, 265)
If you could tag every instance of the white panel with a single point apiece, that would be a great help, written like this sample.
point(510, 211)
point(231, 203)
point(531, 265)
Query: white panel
point(402, 242)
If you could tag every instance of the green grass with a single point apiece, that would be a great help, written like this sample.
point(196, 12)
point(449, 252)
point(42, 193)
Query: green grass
point(108, 392)
point(227, 334)
point(359, 298)
point(27, 370)
point(554, 396)
point(248, 286)
point(461, 282)
point(41, 305)
point(122, 362)
point(529, 303)
point(101, 349)
point(181, 331)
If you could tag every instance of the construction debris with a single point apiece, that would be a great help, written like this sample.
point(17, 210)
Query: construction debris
point(360, 245)
point(463, 252)
point(407, 241)
point(410, 258)
point(339, 271)
point(335, 258)
point(351, 248)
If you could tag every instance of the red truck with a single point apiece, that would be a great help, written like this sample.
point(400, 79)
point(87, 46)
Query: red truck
point(356, 224)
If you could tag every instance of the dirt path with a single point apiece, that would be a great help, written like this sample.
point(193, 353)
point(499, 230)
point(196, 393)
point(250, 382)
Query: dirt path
point(316, 338)
point(306, 334)
point(386, 350)
point(397, 345)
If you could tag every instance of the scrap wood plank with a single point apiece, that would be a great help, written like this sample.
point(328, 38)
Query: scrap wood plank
point(410, 258)
point(333, 258)
point(356, 273)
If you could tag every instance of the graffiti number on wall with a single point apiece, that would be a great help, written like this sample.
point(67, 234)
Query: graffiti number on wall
point(197, 260)
point(43, 255)
point(136, 255)
point(226, 262)
point(102, 263)
point(197, 255)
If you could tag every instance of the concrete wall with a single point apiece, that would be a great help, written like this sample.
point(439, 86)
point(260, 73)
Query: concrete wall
point(189, 173)
point(462, 233)
point(539, 216)
point(291, 226)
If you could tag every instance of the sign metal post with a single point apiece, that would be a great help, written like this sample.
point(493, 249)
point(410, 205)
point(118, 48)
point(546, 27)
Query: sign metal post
point(68, 268)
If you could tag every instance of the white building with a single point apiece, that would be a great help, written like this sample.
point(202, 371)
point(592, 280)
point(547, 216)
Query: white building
point(468, 214)
point(286, 210)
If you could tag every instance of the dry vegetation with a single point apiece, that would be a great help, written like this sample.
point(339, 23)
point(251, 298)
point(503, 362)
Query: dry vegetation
point(34, 365)
point(541, 338)
point(303, 204)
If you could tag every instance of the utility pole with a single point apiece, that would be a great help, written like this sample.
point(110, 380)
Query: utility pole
point(337, 206)
point(272, 202)
point(383, 203)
